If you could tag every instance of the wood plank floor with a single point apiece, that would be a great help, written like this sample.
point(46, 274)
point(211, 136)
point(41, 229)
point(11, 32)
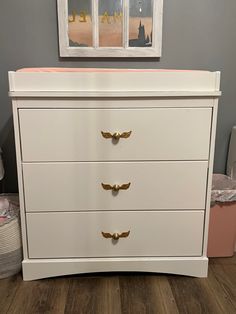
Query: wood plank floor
point(124, 293)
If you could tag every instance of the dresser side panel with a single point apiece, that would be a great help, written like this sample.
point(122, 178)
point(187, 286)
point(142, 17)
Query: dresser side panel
point(20, 178)
point(210, 172)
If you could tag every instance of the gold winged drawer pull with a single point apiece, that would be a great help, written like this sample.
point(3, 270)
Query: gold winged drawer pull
point(116, 135)
point(115, 236)
point(116, 187)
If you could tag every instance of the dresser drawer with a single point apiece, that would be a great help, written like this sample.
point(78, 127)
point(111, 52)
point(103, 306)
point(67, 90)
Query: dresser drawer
point(78, 186)
point(75, 134)
point(80, 234)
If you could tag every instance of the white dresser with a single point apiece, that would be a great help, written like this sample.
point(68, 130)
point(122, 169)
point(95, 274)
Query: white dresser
point(114, 169)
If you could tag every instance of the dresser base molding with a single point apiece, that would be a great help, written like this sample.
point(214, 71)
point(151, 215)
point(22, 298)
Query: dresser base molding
point(43, 268)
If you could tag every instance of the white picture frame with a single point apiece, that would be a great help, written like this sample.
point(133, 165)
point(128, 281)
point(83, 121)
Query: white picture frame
point(95, 49)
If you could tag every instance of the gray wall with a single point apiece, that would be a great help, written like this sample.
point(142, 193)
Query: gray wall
point(196, 35)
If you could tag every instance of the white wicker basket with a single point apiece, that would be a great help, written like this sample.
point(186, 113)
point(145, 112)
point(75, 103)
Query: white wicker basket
point(10, 243)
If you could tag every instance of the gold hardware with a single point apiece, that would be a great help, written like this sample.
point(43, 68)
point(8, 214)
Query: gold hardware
point(116, 136)
point(115, 236)
point(116, 187)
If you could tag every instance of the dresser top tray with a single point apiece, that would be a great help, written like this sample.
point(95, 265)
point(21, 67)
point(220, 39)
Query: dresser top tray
point(72, 82)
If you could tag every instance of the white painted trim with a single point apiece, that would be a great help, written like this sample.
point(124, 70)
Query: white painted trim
point(95, 23)
point(62, 26)
point(112, 103)
point(160, 25)
point(217, 85)
point(126, 23)
point(43, 268)
point(11, 80)
point(82, 94)
point(157, 24)
point(109, 52)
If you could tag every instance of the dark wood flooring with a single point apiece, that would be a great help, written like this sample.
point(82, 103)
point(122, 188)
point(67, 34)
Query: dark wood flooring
point(123, 293)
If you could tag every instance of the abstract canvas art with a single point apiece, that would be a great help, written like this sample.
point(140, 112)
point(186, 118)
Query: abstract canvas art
point(110, 28)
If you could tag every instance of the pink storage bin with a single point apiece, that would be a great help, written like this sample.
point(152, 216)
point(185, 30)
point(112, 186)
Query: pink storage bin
point(222, 230)
point(222, 223)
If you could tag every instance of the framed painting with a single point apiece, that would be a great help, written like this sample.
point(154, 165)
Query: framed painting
point(110, 28)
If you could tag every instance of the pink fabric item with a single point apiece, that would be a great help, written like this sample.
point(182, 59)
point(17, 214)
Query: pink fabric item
point(222, 230)
point(97, 70)
point(2, 218)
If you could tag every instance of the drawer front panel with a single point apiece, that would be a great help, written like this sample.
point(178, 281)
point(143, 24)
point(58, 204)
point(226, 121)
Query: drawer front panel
point(79, 234)
point(78, 186)
point(75, 134)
